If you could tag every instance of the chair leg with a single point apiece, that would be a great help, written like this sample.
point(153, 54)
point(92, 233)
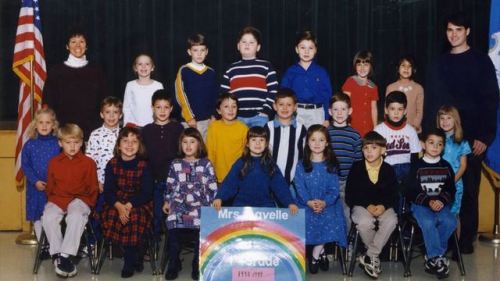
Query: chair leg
point(39, 247)
point(409, 253)
point(459, 255)
point(402, 245)
point(101, 255)
point(152, 260)
point(341, 259)
point(164, 256)
point(354, 253)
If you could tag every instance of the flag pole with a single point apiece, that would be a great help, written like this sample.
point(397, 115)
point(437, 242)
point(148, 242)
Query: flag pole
point(29, 237)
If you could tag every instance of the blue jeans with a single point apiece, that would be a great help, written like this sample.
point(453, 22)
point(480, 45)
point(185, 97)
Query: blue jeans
point(158, 199)
point(255, 121)
point(437, 227)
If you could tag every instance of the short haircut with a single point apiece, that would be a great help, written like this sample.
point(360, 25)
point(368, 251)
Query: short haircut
point(161, 94)
point(74, 32)
point(375, 138)
point(306, 35)
point(458, 19)
point(32, 132)
point(250, 30)
point(365, 56)
point(146, 55)
point(196, 40)
point(125, 132)
point(396, 96)
point(411, 61)
point(193, 133)
point(225, 96)
point(340, 97)
point(70, 130)
point(111, 101)
point(285, 93)
point(434, 132)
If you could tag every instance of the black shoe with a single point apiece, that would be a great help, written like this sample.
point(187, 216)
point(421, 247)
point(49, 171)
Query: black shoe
point(171, 275)
point(466, 249)
point(44, 254)
point(324, 263)
point(64, 267)
point(195, 275)
point(313, 266)
point(442, 269)
point(139, 267)
point(127, 273)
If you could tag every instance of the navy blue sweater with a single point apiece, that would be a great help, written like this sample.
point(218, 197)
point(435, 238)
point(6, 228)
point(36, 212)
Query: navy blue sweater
point(256, 189)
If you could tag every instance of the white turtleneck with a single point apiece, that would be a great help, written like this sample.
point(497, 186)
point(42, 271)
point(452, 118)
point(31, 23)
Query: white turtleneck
point(76, 62)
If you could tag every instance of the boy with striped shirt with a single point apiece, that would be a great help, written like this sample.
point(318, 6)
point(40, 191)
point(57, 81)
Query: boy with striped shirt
point(252, 80)
point(345, 141)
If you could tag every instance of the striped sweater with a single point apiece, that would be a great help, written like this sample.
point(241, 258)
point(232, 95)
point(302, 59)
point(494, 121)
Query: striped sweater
point(254, 83)
point(346, 143)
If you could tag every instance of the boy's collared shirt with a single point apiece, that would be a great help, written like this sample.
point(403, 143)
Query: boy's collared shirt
point(68, 179)
point(277, 123)
point(373, 171)
point(100, 147)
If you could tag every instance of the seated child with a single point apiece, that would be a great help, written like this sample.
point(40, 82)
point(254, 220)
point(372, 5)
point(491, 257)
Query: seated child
point(431, 192)
point(286, 134)
point(196, 87)
point(345, 141)
point(226, 136)
point(72, 191)
point(317, 186)
point(191, 184)
point(371, 192)
point(255, 180)
point(128, 191)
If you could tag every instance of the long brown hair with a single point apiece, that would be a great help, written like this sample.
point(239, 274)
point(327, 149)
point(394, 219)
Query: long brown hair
point(124, 132)
point(266, 160)
point(458, 133)
point(328, 153)
point(201, 152)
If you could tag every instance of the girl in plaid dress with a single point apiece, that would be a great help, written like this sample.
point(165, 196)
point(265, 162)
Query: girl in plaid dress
point(128, 194)
point(191, 184)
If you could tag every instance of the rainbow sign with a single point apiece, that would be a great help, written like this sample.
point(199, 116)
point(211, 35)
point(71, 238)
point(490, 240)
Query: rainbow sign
point(252, 244)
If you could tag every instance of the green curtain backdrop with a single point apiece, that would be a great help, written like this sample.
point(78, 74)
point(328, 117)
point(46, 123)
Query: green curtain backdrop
point(119, 29)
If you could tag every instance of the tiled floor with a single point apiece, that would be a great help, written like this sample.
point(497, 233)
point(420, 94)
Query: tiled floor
point(16, 263)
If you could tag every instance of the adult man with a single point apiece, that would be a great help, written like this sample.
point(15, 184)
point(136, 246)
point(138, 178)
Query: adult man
point(465, 78)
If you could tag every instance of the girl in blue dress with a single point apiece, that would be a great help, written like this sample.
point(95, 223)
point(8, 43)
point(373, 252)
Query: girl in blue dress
point(317, 185)
point(35, 157)
point(456, 149)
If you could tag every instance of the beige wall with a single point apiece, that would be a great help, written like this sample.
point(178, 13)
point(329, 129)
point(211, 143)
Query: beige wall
point(12, 214)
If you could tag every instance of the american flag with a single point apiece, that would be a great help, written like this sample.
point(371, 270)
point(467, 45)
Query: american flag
point(29, 66)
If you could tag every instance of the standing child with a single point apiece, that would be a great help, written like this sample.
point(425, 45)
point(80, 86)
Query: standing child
point(252, 80)
point(72, 191)
point(371, 193)
point(128, 191)
point(191, 184)
point(317, 186)
point(431, 192)
point(35, 158)
point(345, 142)
point(310, 82)
point(101, 145)
point(161, 140)
point(286, 134)
point(413, 91)
point(456, 149)
point(196, 86)
point(403, 144)
point(138, 92)
point(255, 180)
point(363, 93)
point(226, 136)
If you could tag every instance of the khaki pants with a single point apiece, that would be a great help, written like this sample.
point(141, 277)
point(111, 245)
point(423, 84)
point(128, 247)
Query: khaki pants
point(77, 215)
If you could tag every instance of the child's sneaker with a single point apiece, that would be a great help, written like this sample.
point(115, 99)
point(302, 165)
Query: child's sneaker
point(64, 267)
point(442, 269)
point(368, 265)
point(324, 263)
point(313, 266)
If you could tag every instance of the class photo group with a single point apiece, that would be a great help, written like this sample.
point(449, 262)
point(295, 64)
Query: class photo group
point(134, 168)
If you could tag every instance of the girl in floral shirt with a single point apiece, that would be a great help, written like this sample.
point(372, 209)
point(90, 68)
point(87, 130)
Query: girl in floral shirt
point(191, 184)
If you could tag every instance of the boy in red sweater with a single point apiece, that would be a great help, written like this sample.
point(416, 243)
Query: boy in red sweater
point(71, 191)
